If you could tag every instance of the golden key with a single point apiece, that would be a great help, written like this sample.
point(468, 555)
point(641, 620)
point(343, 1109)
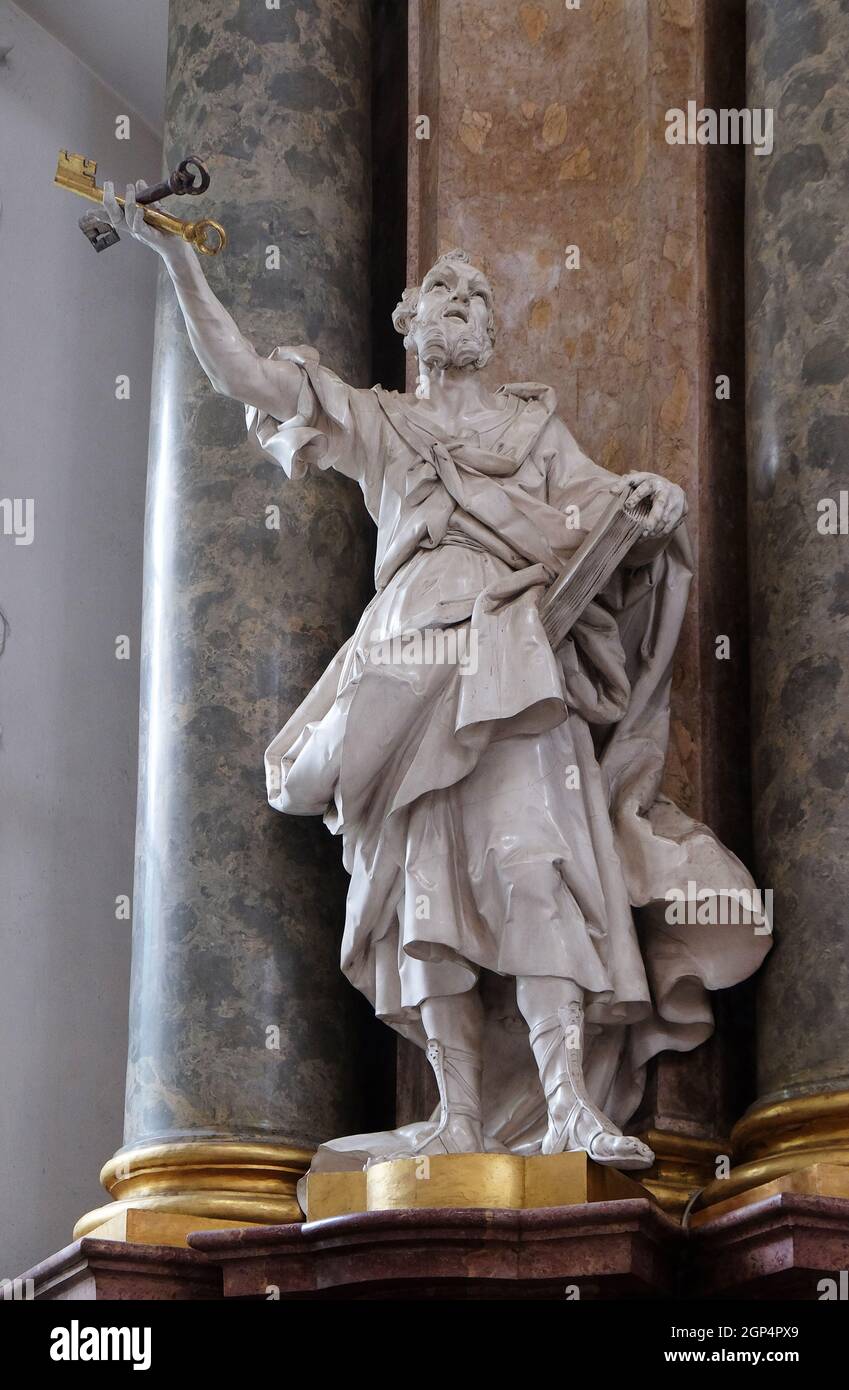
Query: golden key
point(76, 172)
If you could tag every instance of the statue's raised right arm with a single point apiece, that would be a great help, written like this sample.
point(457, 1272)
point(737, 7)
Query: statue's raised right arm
point(229, 360)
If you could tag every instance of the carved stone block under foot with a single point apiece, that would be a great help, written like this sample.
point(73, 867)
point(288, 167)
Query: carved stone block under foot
point(602, 1250)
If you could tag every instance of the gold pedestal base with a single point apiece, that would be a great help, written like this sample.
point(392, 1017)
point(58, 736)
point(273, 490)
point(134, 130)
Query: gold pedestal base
point(136, 1226)
point(819, 1180)
point(785, 1137)
point(189, 1185)
point(504, 1182)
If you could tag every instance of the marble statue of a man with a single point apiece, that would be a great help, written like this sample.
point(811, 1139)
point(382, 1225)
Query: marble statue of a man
point(498, 801)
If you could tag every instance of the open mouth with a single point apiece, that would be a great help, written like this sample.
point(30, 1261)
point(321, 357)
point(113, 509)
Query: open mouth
point(456, 313)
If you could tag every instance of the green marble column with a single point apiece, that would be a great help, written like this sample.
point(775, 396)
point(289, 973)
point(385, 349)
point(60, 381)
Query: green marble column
point(798, 414)
point(247, 1046)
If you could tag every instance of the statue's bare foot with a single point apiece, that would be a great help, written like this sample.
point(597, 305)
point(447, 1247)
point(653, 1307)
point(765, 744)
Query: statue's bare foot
point(575, 1124)
point(621, 1151)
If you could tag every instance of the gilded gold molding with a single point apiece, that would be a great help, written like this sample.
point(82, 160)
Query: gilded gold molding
point(238, 1182)
point(817, 1180)
point(233, 1181)
point(784, 1137)
point(682, 1166)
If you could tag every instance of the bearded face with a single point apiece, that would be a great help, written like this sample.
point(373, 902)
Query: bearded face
point(451, 326)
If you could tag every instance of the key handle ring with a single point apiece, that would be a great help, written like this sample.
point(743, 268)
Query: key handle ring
point(207, 236)
point(192, 175)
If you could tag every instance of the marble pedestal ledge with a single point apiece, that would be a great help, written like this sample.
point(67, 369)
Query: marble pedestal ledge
point(114, 1271)
point(603, 1250)
point(783, 1247)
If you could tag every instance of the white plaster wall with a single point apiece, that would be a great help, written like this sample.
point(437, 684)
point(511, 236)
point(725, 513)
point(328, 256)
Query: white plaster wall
point(70, 321)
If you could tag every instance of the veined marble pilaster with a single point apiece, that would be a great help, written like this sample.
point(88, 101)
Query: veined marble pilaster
point(798, 415)
point(247, 1045)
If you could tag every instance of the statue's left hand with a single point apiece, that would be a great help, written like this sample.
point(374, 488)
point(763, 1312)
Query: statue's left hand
point(669, 501)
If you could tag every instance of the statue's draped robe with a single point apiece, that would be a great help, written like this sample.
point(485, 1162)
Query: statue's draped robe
point(502, 817)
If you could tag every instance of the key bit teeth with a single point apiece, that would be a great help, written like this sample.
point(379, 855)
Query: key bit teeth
point(100, 233)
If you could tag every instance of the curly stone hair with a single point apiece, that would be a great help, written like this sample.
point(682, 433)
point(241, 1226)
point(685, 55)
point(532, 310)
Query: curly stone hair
point(405, 309)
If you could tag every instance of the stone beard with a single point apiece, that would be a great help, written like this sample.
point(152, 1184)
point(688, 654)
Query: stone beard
point(441, 346)
point(450, 341)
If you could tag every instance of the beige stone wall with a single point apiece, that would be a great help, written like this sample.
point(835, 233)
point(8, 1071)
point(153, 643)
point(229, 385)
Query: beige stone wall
point(547, 131)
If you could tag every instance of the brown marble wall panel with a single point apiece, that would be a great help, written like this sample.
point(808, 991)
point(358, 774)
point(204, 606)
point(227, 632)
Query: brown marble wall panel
point(547, 131)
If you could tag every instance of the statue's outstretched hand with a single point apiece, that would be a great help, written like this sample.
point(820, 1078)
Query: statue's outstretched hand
point(130, 219)
point(669, 501)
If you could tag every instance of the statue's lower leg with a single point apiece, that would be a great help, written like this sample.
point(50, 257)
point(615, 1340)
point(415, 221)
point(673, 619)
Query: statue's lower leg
point(454, 1027)
point(553, 1010)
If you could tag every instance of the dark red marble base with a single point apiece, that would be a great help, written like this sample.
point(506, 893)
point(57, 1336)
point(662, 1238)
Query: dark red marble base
point(623, 1249)
point(94, 1270)
point(779, 1248)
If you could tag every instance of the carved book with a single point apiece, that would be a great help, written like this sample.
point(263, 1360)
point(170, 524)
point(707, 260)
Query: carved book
point(590, 568)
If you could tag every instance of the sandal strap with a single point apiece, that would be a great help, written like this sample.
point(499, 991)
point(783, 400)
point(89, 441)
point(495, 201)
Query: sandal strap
point(560, 1027)
point(452, 1060)
point(543, 1026)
